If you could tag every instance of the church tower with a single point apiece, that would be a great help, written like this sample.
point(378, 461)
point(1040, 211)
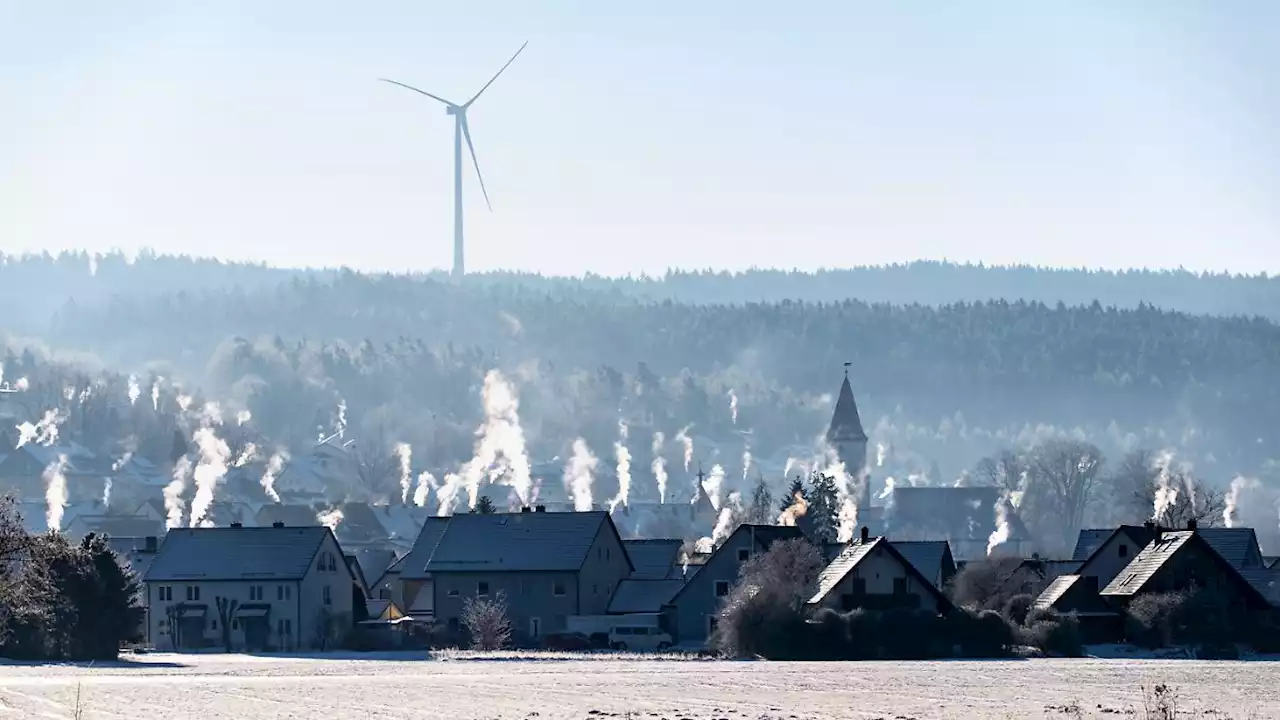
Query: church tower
point(850, 440)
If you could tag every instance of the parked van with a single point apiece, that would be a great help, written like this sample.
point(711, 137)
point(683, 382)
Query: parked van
point(638, 637)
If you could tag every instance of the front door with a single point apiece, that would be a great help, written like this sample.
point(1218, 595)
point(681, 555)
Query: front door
point(256, 630)
point(191, 632)
point(535, 627)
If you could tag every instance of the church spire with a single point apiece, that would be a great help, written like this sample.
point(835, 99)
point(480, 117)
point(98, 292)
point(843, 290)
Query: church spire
point(846, 425)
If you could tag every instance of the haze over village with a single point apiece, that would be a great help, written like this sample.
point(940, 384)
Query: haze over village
point(436, 354)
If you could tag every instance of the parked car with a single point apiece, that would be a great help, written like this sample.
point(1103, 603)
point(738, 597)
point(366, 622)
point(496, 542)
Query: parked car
point(572, 642)
point(638, 637)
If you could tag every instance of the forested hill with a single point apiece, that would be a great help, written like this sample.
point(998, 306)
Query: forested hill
point(946, 382)
point(32, 287)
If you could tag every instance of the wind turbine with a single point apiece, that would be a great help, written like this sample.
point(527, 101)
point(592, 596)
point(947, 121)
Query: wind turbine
point(460, 131)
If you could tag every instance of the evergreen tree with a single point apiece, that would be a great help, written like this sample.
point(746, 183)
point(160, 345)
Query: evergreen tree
point(760, 511)
point(821, 516)
point(484, 506)
point(797, 488)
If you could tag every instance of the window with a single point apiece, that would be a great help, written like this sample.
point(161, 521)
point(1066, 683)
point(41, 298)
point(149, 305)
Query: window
point(607, 553)
point(235, 624)
point(859, 586)
point(215, 625)
point(744, 555)
point(722, 588)
point(557, 588)
point(255, 592)
point(453, 624)
point(193, 593)
point(166, 593)
point(482, 588)
point(1124, 550)
point(287, 592)
point(453, 592)
point(288, 626)
point(328, 595)
point(279, 592)
point(333, 567)
point(712, 622)
point(899, 586)
point(535, 627)
point(384, 593)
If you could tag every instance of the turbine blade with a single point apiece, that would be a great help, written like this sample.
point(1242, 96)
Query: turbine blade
point(466, 132)
point(423, 92)
point(495, 77)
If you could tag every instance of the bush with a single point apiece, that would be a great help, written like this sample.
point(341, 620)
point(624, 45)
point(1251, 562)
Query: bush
point(1055, 635)
point(990, 583)
point(764, 614)
point(486, 622)
point(1016, 609)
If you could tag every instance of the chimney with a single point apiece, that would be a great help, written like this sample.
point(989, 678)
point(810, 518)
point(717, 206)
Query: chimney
point(277, 524)
point(866, 534)
point(237, 525)
point(149, 544)
point(1192, 524)
point(540, 508)
point(525, 509)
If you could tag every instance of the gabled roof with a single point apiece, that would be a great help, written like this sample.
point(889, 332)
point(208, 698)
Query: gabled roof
point(129, 526)
point(653, 559)
point(859, 551)
point(1090, 541)
point(846, 424)
point(524, 541)
point(414, 564)
point(643, 596)
point(931, 557)
point(290, 515)
point(1236, 545)
point(1266, 582)
point(262, 553)
point(1271, 562)
point(374, 562)
point(1056, 589)
point(360, 523)
point(1161, 551)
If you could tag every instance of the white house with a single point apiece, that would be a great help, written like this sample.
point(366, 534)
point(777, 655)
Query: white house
point(254, 588)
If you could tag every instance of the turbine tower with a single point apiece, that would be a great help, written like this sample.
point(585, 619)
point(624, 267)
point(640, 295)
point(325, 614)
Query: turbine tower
point(460, 131)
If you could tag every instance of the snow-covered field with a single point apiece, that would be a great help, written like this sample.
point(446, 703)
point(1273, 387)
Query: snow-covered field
point(551, 687)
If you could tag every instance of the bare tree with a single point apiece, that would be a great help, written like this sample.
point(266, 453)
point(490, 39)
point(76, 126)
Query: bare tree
point(1062, 478)
point(486, 620)
point(760, 511)
point(226, 614)
point(1134, 484)
point(1004, 470)
point(375, 464)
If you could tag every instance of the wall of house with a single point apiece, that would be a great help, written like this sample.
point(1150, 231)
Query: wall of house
point(320, 619)
point(528, 595)
point(698, 601)
point(881, 572)
point(1108, 561)
point(605, 566)
point(240, 592)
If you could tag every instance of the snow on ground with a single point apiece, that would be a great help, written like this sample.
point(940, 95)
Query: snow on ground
point(579, 687)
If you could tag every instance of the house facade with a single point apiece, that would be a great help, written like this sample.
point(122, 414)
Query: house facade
point(692, 614)
point(1179, 560)
point(870, 573)
point(281, 588)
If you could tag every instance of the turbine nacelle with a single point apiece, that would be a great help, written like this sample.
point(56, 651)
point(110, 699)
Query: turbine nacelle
point(455, 110)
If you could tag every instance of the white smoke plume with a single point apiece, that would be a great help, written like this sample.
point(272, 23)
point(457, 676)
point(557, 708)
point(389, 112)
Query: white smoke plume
point(794, 512)
point(712, 486)
point(623, 456)
point(882, 451)
point(746, 462)
point(106, 492)
point(243, 417)
point(887, 493)
point(214, 455)
point(342, 418)
point(174, 505)
point(733, 405)
point(1166, 494)
point(184, 402)
point(579, 475)
point(500, 450)
point(659, 466)
point(730, 516)
point(1000, 535)
point(22, 385)
point(405, 455)
point(846, 499)
point(55, 493)
point(155, 395)
point(44, 432)
point(330, 518)
point(447, 495)
point(683, 438)
point(1241, 484)
point(134, 391)
point(426, 482)
point(247, 455)
point(274, 466)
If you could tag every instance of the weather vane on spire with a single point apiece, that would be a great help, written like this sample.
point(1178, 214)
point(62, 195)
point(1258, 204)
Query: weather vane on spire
point(846, 368)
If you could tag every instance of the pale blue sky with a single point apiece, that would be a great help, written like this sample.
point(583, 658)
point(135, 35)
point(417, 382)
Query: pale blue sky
point(630, 137)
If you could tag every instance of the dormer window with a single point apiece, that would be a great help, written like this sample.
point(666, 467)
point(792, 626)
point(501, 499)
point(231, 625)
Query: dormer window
point(1124, 550)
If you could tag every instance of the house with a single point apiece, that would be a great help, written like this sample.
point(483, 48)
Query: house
point(290, 515)
point(693, 611)
point(546, 565)
point(360, 526)
point(1177, 560)
point(114, 525)
point(409, 594)
point(655, 558)
point(374, 563)
point(276, 587)
point(645, 596)
point(871, 573)
point(1271, 562)
point(963, 516)
point(931, 557)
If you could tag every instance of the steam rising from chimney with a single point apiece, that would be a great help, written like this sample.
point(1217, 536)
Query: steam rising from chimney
point(274, 466)
point(794, 512)
point(887, 493)
point(106, 492)
point(1166, 494)
point(55, 493)
point(174, 505)
point(500, 449)
point(1230, 514)
point(247, 455)
point(683, 438)
point(733, 405)
point(578, 475)
point(44, 432)
point(881, 453)
point(659, 466)
point(746, 462)
point(726, 521)
point(426, 482)
point(341, 428)
point(624, 468)
point(214, 454)
point(134, 391)
point(405, 454)
point(243, 417)
point(846, 500)
point(330, 518)
point(155, 395)
point(712, 485)
point(1000, 535)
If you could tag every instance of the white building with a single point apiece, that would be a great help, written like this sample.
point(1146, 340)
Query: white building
point(254, 588)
